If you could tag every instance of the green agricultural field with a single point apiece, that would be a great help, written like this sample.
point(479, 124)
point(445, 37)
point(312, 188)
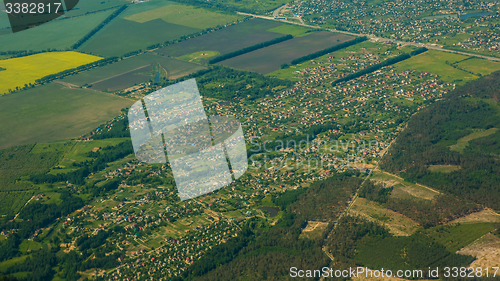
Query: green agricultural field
point(52, 112)
point(402, 188)
point(226, 40)
point(58, 34)
point(269, 59)
point(295, 30)
point(455, 237)
point(186, 16)
point(479, 66)
point(435, 62)
point(89, 6)
point(123, 36)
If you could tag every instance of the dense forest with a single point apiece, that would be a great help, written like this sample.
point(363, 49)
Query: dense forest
point(268, 254)
point(359, 242)
point(432, 139)
point(428, 213)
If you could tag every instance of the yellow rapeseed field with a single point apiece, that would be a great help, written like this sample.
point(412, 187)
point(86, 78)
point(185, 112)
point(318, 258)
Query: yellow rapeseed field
point(25, 70)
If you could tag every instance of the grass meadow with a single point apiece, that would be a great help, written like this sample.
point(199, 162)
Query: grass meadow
point(479, 66)
point(25, 70)
point(435, 62)
point(123, 36)
point(51, 112)
point(185, 15)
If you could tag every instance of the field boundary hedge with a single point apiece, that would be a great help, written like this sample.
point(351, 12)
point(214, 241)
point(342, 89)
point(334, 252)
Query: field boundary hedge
point(250, 49)
point(378, 66)
point(72, 71)
point(99, 27)
point(329, 50)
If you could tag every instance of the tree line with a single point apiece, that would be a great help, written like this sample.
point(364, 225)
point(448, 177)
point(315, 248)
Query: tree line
point(378, 66)
point(99, 27)
point(329, 50)
point(251, 49)
point(73, 71)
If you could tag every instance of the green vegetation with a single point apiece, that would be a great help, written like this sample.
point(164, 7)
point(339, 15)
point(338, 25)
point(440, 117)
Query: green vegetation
point(378, 66)
point(479, 66)
point(226, 40)
point(445, 124)
point(269, 59)
point(463, 142)
point(58, 34)
point(123, 36)
point(455, 237)
point(198, 56)
point(247, 6)
point(435, 62)
point(99, 27)
point(356, 241)
point(292, 29)
point(329, 50)
point(52, 112)
point(427, 213)
point(185, 16)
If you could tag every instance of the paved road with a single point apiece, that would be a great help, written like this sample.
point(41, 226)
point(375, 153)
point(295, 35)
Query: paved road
point(373, 37)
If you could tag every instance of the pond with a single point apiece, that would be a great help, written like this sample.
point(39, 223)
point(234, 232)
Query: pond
point(273, 211)
point(466, 16)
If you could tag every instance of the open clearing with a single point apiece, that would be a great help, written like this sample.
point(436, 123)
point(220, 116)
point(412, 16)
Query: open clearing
point(269, 59)
point(52, 112)
point(479, 66)
point(314, 229)
point(398, 224)
point(435, 62)
point(26, 70)
point(402, 188)
point(226, 40)
point(463, 142)
point(58, 34)
point(185, 15)
point(131, 71)
point(486, 215)
point(486, 250)
point(443, 168)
